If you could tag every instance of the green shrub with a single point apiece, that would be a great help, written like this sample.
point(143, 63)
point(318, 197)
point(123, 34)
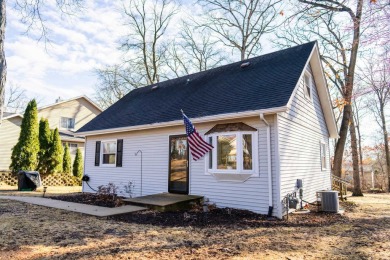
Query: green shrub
point(56, 154)
point(25, 152)
point(67, 161)
point(45, 147)
point(78, 164)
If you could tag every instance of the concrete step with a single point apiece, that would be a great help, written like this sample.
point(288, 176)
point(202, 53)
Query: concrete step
point(166, 201)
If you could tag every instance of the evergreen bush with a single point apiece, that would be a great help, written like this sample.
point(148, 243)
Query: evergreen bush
point(67, 162)
point(25, 152)
point(56, 152)
point(78, 164)
point(45, 147)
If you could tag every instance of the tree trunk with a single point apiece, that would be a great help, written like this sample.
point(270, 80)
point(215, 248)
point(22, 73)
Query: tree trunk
point(339, 151)
point(357, 191)
point(360, 155)
point(3, 64)
point(386, 141)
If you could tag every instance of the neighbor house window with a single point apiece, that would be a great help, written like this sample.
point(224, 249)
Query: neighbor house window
point(323, 156)
point(307, 85)
point(72, 147)
point(233, 152)
point(67, 123)
point(109, 152)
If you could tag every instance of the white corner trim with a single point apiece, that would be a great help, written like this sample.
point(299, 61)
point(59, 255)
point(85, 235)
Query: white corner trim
point(180, 122)
point(278, 178)
point(269, 161)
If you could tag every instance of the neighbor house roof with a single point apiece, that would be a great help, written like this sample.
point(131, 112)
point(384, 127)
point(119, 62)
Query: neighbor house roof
point(265, 85)
point(71, 99)
point(70, 136)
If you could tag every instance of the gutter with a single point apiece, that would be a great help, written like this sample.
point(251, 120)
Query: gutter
point(270, 205)
point(198, 120)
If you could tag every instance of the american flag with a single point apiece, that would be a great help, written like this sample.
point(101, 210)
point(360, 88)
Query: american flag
point(198, 146)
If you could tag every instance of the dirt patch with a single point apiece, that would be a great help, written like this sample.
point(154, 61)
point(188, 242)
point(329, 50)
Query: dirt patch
point(35, 232)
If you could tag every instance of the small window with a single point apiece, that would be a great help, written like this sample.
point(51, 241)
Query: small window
point(210, 153)
point(67, 123)
point(307, 86)
point(323, 156)
point(109, 152)
point(247, 154)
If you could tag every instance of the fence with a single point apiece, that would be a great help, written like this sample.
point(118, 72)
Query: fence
point(56, 179)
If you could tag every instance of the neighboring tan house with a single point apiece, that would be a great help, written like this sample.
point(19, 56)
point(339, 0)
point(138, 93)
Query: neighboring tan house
point(269, 119)
point(66, 115)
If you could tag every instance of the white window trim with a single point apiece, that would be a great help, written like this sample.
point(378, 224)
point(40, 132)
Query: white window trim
point(308, 74)
point(323, 167)
point(101, 153)
point(255, 157)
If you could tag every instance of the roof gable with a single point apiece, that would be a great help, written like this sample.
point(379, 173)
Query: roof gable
point(268, 82)
point(72, 99)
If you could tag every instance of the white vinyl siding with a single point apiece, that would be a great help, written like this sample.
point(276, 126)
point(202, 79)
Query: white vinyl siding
point(251, 194)
point(300, 132)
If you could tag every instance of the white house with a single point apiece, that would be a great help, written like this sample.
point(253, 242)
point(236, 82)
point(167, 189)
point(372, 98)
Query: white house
point(269, 119)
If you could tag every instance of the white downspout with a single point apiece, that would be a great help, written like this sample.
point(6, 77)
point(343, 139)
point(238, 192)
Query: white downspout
point(270, 204)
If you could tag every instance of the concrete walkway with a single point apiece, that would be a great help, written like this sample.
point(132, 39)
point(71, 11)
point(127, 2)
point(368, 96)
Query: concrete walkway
point(76, 207)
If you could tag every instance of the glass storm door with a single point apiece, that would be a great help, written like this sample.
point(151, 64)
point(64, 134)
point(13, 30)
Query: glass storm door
point(178, 164)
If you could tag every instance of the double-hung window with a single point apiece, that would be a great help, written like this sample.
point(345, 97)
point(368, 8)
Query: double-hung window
point(109, 153)
point(109, 150)
point(234, 152)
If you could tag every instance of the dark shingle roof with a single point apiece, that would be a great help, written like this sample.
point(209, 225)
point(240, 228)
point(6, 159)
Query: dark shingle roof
point(267, 82)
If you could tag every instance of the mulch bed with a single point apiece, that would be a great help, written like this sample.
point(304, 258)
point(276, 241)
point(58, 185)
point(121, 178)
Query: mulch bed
point(222, 217)
point(227, 218)
point(103, 200)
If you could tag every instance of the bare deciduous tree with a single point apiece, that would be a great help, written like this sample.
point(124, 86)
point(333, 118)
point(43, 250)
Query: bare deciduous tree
point(114, 82)
point(359, 111)
point(147, 22)
point(32, 16)
point(240, 24)
point(145, 50)
point(377, 77)
point(15, 99)
point(193, 51)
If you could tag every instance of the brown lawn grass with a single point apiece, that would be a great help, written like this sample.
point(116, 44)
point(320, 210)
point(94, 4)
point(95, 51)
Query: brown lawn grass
point(34, 232)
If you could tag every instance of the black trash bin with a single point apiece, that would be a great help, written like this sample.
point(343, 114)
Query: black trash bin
point(28, 180)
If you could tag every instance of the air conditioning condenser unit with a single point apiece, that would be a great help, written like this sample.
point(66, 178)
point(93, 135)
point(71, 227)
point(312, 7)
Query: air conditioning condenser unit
point(328, 200)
